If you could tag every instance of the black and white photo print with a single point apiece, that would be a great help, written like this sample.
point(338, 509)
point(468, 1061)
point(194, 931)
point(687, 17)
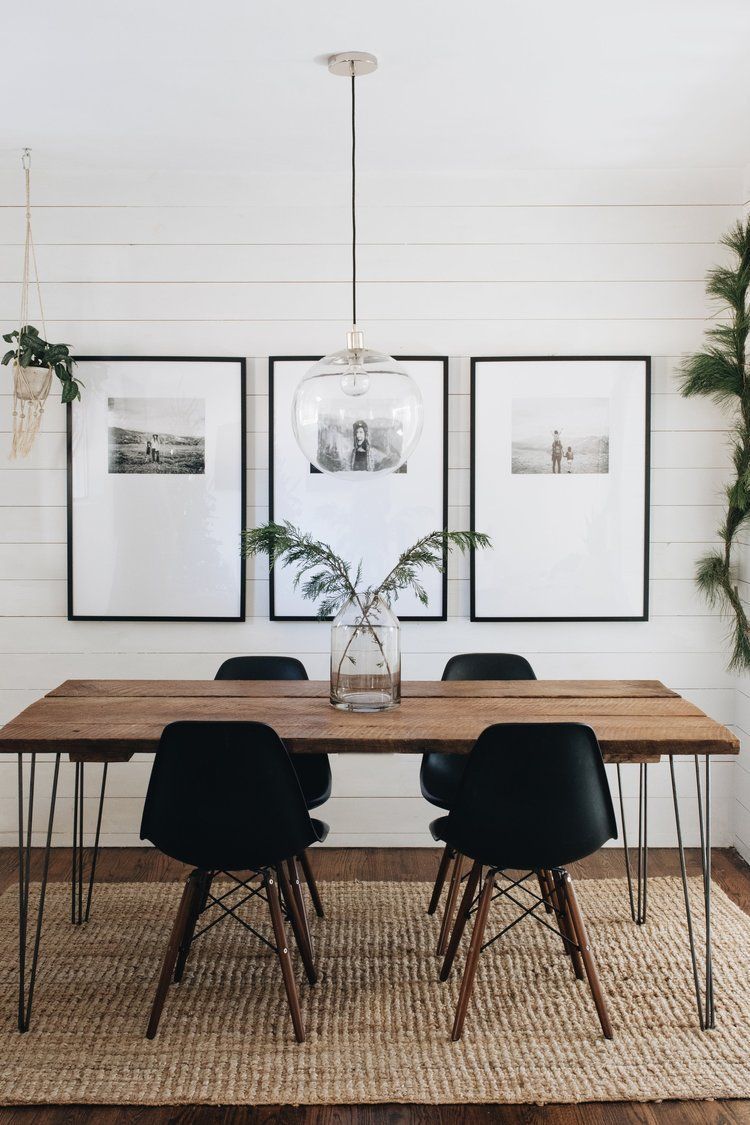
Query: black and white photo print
point(156, 435)
point(562, 436)
point(366, 447)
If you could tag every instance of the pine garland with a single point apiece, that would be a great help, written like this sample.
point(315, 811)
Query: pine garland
point(719, 371)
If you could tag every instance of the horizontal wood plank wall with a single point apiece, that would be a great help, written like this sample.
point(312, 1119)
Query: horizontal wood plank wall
point(564, 262)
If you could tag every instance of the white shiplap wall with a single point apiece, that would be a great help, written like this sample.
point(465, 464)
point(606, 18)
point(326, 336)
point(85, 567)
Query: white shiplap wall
point(521, 263)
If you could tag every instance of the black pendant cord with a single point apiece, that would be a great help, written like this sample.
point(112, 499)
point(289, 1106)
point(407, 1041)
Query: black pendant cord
point(354, 205)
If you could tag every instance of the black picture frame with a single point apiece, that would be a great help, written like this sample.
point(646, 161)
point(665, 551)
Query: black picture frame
point(237, 360)
point(272, 361)
point(646, 361)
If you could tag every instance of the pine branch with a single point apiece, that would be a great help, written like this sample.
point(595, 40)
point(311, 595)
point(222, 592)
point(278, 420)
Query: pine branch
point(321, 575)
point(432, 552)
point(285, 544)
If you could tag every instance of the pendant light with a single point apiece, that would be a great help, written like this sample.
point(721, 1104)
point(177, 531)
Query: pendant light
point(357, 413)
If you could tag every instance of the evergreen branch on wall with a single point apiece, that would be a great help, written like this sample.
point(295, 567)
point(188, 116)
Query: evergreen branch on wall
point(719, 371)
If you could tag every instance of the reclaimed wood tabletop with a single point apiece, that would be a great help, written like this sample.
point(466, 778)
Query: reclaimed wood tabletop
point(110, 720)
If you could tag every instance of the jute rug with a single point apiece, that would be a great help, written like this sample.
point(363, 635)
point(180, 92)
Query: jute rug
point(378, 1022)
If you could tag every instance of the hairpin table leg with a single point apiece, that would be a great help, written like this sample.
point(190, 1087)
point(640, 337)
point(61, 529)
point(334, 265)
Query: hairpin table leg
point(78, 912)
point(642, 843)
point(704, 997)
point(638, 900)
point(26, 971)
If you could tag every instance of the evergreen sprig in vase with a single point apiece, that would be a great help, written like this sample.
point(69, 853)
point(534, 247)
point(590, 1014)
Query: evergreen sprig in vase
point(365, 634)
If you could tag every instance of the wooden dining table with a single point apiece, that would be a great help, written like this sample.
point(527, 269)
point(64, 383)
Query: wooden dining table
point(637, 722)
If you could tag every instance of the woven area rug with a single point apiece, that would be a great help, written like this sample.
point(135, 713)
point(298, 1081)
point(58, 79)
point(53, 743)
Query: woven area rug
point(378, 1022)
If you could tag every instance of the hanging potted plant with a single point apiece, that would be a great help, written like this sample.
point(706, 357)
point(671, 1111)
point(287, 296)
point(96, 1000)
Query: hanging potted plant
point(34, 359)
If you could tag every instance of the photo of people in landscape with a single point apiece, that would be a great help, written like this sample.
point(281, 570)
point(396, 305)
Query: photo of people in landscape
point(565, 436)
point(367, 446)
point(156, 435)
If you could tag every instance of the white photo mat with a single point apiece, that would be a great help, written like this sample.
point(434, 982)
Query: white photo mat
point(372, 519)
point(559, 480)
point(156, 490)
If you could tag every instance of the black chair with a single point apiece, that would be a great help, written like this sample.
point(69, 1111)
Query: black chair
point(441, 774)
point(313, 770)
point(224, 798)
point(534, 798)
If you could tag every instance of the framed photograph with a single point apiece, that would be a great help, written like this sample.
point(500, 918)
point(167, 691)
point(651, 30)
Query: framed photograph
point(373, 518)
point(156, 490)
point(560, 481)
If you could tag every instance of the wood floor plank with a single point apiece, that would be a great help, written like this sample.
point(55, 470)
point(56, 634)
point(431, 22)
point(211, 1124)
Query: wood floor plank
point(594, 1113)
point(401, 864)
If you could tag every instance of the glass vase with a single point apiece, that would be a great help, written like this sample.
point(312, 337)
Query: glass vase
point(365, 656)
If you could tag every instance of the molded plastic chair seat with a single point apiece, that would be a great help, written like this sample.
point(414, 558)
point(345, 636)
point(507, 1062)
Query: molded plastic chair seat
point(534, 798)
point(314, 773)
point(224, 797)
point(262, 668)
point(441, 774)
point(313, 770)
point(440, 778)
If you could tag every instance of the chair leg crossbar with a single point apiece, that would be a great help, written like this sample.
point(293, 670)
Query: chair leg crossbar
point(557, 898)
point(280, 889)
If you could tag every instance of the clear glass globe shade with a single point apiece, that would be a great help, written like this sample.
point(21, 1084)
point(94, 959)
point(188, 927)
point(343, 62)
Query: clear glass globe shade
point(357, 414)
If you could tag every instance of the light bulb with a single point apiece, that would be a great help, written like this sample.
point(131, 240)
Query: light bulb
point(355, 381)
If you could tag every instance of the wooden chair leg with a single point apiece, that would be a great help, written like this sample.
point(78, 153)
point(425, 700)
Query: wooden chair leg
point(190, 896)
point(450, 904)
point(199, 906)
point(544, 890)
point(557, 910)
point(567, 930)
point(274, 906)
point(312, 886)
point(577, 923)
point(437, 890)
point(292, 895)
point(295, 881)
point(473, 955)
point(461, 918)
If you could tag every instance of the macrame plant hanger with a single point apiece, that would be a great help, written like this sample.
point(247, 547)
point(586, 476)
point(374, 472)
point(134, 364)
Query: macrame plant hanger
point(31, 385)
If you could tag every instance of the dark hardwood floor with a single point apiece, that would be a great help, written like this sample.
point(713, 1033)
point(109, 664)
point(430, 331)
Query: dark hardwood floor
point(143, 864)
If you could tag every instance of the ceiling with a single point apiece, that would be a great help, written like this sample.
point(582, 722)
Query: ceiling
point(473, 85)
